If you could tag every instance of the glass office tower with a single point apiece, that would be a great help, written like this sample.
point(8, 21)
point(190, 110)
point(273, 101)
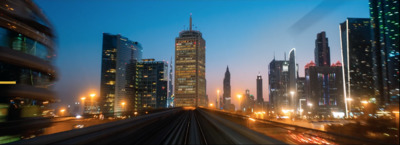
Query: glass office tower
point(385, 50)
point(117, 73)
point(355, 39)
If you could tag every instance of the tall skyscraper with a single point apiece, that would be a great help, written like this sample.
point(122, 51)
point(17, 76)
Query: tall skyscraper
point(385, 50)
point(190, 68)
point(278, 80)
point(151, 85)
point(27, 52)
point(355, 38)
point(117, 80)
point(260, 99)
point(321, 52)
point(292, 90)
point(227, 90)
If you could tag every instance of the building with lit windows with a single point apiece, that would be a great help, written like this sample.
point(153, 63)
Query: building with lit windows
point(324, 89)
point(190, 68)
point(118, 63)
point(355, 39)
point(385, 50)
point(151, 85)
point(27, 73)
point(278, 80)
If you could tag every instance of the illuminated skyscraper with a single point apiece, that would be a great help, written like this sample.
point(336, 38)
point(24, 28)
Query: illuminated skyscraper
point(292, 88)
point(385, 50)
point(355, 38)
point(321, 52)
point(278, 80)
point(227, 90)
point(190, 68)
point(117, 72)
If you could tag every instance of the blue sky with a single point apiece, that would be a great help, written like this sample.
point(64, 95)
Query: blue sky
point(242, 34)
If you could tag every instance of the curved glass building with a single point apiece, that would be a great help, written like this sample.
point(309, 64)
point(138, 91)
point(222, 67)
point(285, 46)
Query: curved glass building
point(27, 49)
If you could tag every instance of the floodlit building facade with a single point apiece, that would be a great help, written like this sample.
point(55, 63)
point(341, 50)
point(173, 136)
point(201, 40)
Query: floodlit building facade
point(190, 69)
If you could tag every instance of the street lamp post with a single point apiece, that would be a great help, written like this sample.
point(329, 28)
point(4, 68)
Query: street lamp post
point(91, 102)
point(309, 104)
point(83, 105)
point(218, 101)
point(347, 111)
point(292, 103)
point(123, 107)
point(301, 111)
point(239, 96)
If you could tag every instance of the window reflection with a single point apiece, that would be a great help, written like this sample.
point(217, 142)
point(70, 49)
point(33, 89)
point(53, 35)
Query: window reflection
point(19, 42)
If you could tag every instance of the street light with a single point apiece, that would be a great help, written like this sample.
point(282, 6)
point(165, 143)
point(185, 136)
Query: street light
point(83, 105)
point(301, 111)
point(292, 102)
point(211, 104)
point(91, 104)
point(62, 112)
point(239, 96)
point(309, 104)
point(347, 111)
point(218, 100)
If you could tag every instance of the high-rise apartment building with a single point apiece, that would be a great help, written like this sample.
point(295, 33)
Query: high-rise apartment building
point(117, 73)
point(385, 50)
point(190, 68)
point(322, 52)
point(227, 90)
point(355, 39)
point(151, 85)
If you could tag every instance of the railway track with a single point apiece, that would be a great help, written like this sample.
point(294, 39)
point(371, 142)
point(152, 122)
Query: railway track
point(174, 126)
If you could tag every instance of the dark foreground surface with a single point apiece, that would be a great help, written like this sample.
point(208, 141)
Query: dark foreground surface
point(190, 126)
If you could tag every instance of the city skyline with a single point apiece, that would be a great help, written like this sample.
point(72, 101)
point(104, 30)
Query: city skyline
point(103, 72)
point(254, 26)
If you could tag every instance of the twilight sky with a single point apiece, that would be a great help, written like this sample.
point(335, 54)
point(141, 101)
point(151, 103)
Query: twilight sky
point(242, 34)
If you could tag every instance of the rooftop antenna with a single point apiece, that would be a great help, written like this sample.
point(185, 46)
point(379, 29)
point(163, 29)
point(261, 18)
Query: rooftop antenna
point(274, 55)
point(190, 21)
point(284, 55)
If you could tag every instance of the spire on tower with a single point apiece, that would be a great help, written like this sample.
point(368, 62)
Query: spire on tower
point(190, 21)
